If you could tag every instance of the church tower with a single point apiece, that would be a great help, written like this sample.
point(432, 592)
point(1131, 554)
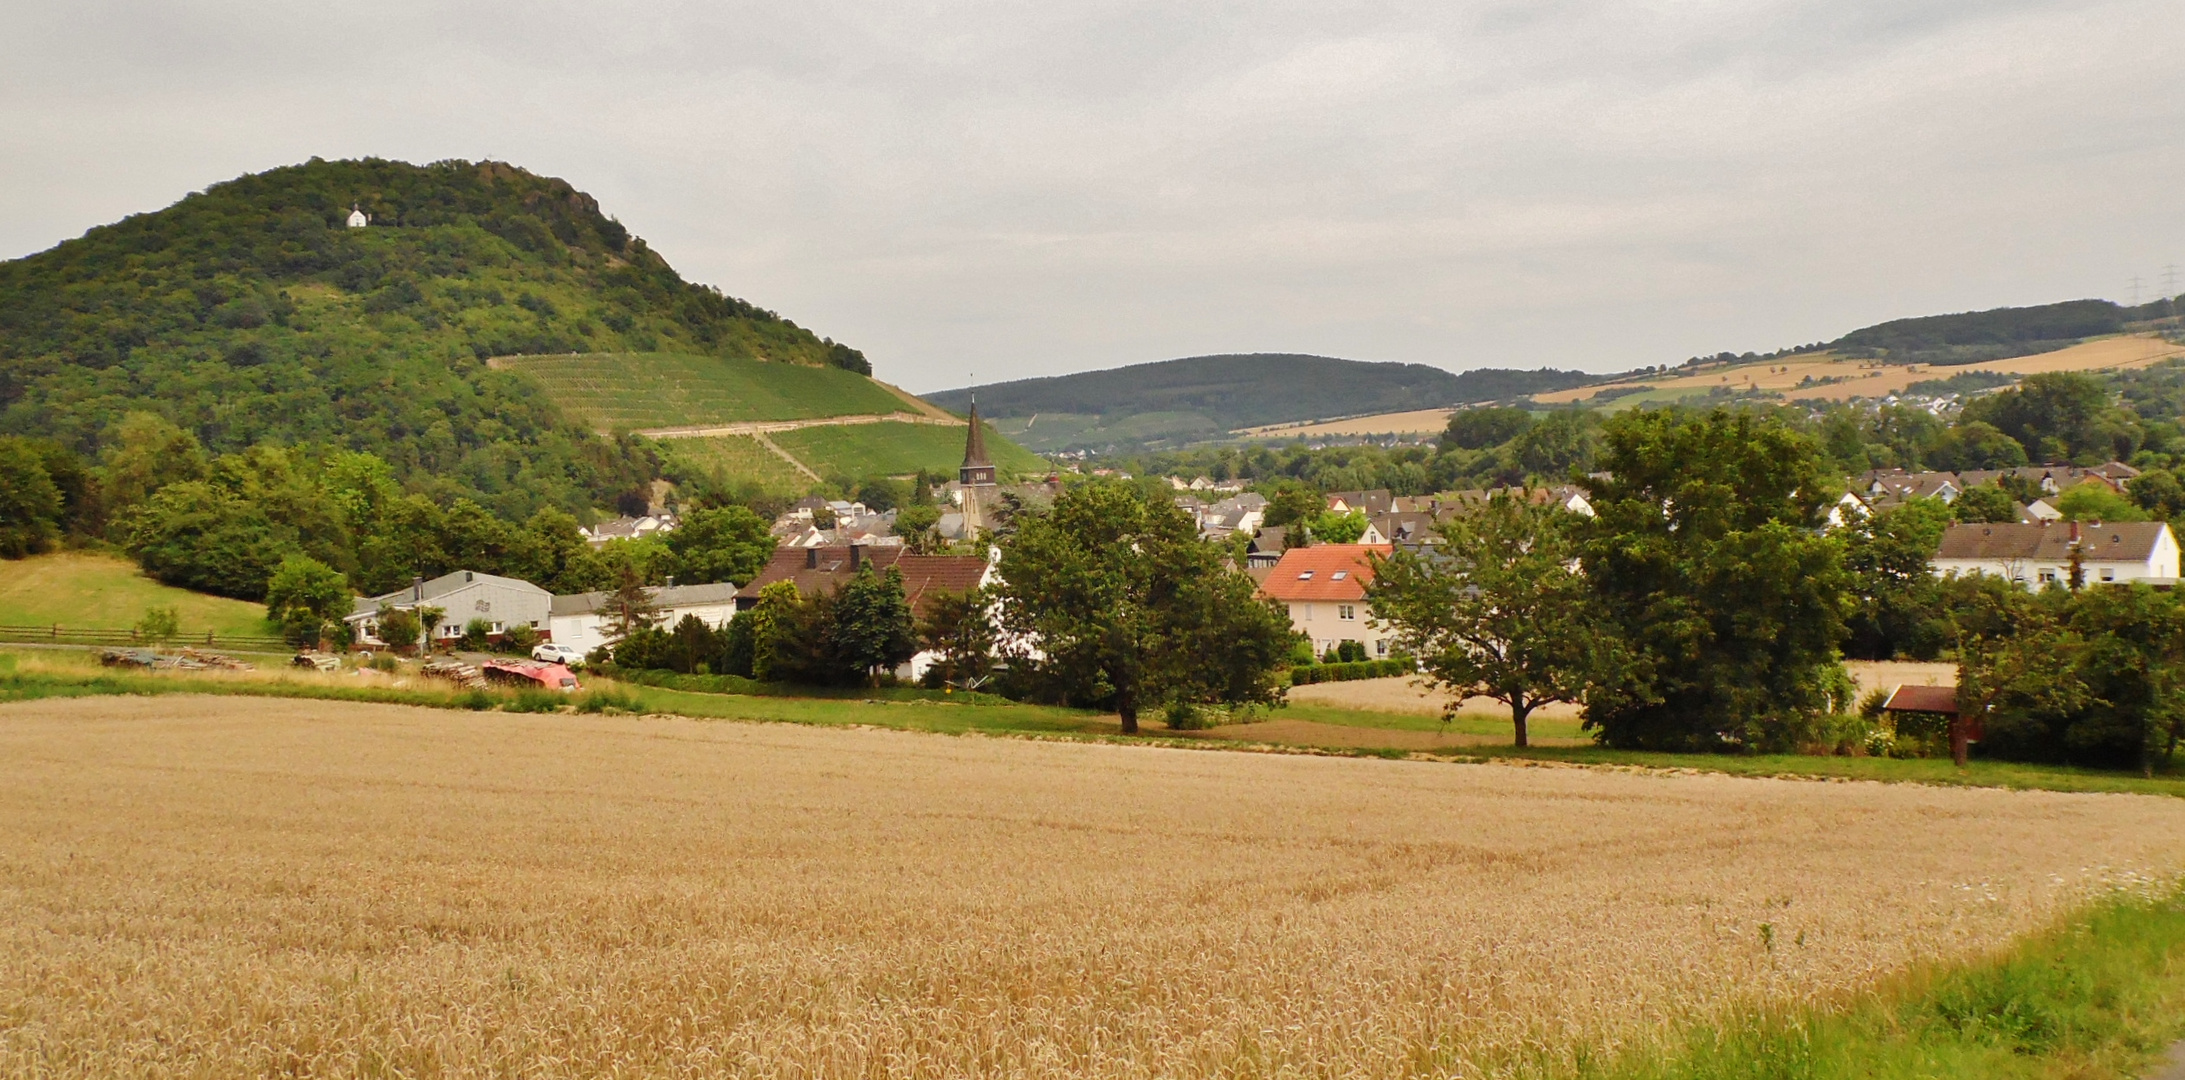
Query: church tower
point(976, 478)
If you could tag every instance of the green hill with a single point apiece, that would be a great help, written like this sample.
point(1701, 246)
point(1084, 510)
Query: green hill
point(248, 313)
point(101, 592)
point(1205, 396)
point(639, 391)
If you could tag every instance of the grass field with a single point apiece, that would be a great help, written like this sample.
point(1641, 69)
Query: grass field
point(105, 592)
point(219, 886)
point(894, 449)
point(738, 458)
point(635, 391)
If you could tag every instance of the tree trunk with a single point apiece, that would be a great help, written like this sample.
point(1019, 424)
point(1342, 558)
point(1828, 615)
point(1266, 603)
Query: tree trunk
point(1518, 712)
point(1126, 706)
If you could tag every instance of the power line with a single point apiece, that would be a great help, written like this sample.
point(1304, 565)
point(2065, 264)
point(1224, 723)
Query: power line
point(2135, 290)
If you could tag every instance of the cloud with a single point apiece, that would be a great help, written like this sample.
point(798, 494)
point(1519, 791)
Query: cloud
point(1025, 188)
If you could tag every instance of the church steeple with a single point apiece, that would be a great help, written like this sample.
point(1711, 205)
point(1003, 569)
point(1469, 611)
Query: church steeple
point(975, 481)
point(975, 444)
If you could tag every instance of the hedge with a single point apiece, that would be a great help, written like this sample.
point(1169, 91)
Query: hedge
point(1357, 669)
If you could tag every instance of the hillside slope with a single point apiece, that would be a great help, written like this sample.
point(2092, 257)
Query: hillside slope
point(1202, 396)
point(249, 313)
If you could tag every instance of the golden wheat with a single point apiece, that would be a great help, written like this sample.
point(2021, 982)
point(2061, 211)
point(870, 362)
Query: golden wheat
point(217, 887)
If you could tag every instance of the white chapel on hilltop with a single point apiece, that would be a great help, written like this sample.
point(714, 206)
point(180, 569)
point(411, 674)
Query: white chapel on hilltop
point(357, 217)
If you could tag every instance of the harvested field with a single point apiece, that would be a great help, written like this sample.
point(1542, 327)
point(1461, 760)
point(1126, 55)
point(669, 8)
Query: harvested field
point(222, 887)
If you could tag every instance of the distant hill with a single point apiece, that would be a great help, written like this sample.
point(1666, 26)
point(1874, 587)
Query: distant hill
point(1995, 334)
point(251, 313)
point(1206, 396)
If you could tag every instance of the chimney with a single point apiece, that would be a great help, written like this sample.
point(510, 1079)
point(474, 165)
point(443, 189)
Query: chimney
point(2074, 534)
point(417, 587)
point(857, 556)
point(811, 558)
point(671, 581)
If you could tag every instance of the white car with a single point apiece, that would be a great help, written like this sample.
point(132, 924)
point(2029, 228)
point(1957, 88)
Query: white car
point(564, 655)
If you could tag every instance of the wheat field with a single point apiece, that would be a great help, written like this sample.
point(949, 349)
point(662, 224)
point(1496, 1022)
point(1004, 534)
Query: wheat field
point(225, 887)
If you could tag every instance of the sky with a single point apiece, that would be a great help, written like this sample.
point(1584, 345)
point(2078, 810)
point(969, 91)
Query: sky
point(980, 191)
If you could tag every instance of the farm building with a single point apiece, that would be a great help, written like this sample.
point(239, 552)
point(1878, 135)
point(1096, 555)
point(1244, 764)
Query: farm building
point(462, 597)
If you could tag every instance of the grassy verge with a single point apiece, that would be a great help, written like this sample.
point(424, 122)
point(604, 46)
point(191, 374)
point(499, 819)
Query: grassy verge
point(86, 590)
point(2099, 996)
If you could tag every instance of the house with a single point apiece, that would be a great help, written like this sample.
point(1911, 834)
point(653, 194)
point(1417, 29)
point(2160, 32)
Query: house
point(2041, 555)
point(1369, 503)
point(925, 578)
point(630, 528)
point(1324, 589)
point(1267, 546)
point(580, 620)
point(462, 597)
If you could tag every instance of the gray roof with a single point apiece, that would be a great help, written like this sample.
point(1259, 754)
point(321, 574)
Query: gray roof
point(2119, 541)
point(666, 596)
point(435, 588)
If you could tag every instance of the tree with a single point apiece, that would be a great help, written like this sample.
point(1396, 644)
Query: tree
point(728, 544)
point(1117, 602)
point(429, 619)
point(147, 452)
point(769, 622)
point(2096, 501)
point(1893, 592)
point(629, 607)
point(958, 629)
point(202, 537)
point(398, 627)
point(30, 503)
point(693, 647)
point(160, 625)
point(1482, 429)
point(2158, 492)
point(915, 524)
point(304, 595)
point(1498, 613)
point(2059, 416)
point(1293, 502)
point(1705, 556)
point(1329, 527)
point(1985, 503)
point(872, 628)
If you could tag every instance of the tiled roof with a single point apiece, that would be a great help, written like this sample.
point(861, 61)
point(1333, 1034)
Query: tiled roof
point(1931, 699)
point(1322, 572)
point(2123, 541)
point(829, 568)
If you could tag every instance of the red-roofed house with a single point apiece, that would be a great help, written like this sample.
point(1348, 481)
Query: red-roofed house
point(1324, 588)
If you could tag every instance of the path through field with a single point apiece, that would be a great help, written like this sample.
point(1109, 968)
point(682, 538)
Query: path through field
point(222, 887)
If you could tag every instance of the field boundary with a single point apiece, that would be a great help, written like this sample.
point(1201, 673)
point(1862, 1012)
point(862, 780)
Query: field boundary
point(77, 635)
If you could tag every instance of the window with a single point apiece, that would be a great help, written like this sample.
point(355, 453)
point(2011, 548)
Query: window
point(2048, 577)
point(1345, 611)
point(1305, 575)
point(1339, 575)
point(1380, 649)
point(2109, 575)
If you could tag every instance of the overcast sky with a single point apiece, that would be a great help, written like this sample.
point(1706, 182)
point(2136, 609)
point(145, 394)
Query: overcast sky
point(1026, 188)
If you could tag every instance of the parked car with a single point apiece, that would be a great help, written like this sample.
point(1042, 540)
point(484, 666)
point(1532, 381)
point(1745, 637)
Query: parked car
point(565, 655)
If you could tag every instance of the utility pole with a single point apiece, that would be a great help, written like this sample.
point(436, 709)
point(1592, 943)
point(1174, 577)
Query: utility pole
point(2135, 290)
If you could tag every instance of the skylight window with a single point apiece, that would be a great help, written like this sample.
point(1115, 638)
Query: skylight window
point(1305, 575)
point(1339, 575)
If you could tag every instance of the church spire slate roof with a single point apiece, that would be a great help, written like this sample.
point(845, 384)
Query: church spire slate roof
point(975, 443)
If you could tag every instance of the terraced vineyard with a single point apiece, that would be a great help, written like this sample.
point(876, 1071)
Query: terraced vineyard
point(894, 448)
point(638, 391)
point(733, 459)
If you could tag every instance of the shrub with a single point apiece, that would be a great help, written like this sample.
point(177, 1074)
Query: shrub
point(520, 639)
point(477, 635)
point(610, 701)
point(1345, 672)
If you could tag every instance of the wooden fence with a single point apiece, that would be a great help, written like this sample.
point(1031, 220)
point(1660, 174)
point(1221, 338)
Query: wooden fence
point(77, 635)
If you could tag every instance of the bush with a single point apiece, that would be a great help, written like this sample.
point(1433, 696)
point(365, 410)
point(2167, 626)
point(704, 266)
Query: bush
point(520, 639)
point(535, 700)
point(610, 701)
point(477, 635)
point(1345, 672)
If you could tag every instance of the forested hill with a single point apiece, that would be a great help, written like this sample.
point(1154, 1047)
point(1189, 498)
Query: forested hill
point(1995, 334)
point(1236, 391)
point(250, 313)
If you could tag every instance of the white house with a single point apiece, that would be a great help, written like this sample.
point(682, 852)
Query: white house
point(2039, 556)
point(357, 217)
point(462, 597)
point(580, 621)
point(1323, 587)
